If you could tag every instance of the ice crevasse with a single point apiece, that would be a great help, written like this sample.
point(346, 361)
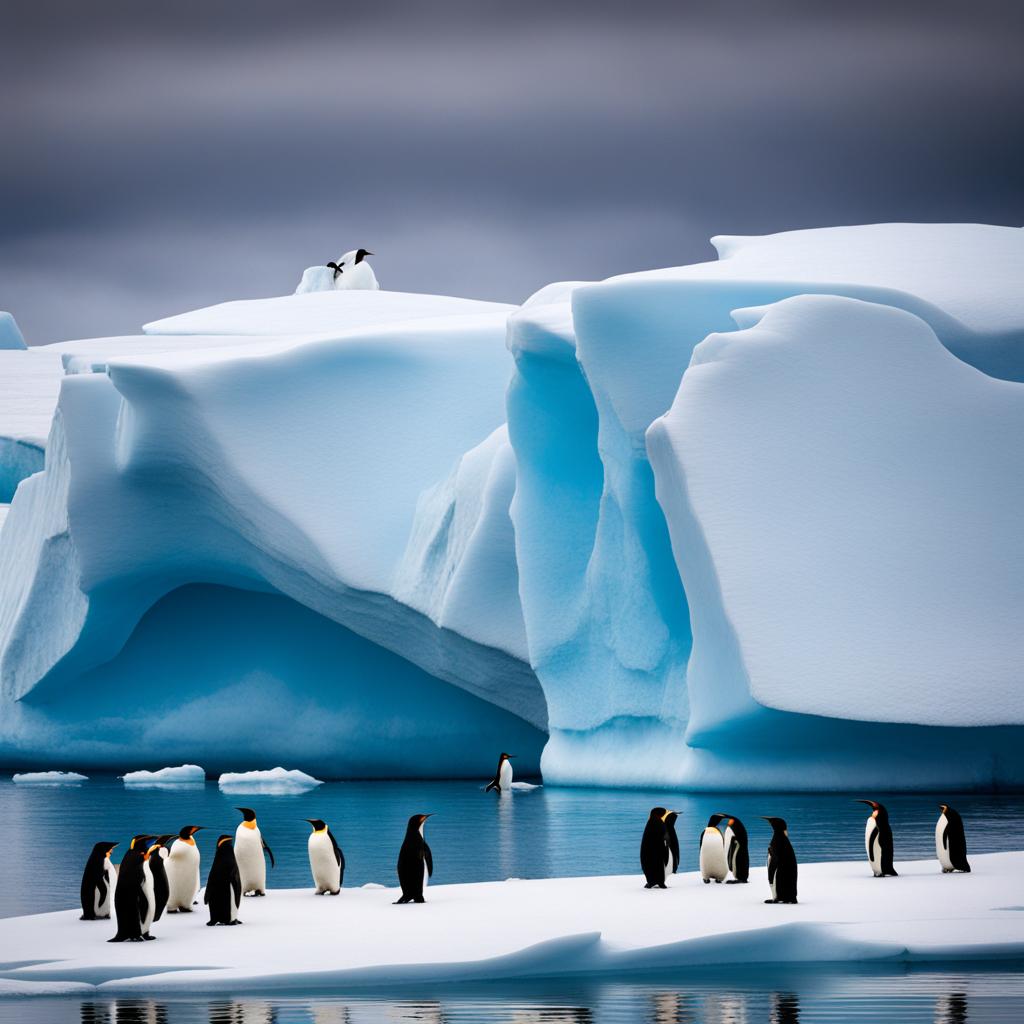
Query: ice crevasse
point(750, 523)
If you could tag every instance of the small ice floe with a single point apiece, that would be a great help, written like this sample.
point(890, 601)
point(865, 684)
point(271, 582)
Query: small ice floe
point(182, 775)
point(271, 781)
point(49, 778)
point(525, 787)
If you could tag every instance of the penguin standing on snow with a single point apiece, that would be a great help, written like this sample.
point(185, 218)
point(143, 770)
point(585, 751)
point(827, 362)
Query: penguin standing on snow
point(248, 851)
point(133, 897)
point(352, 272)
point(326, 860)
point(781, 864)
point(182, 867)
point(415, 863)
point(502, 781)
point(223, 893)
point(98, 882)
point(950, 841)
point(878, 840)
point(737, 856)
point(655, 855)
point(672, 839)
point(712, 852)
point(161, 889)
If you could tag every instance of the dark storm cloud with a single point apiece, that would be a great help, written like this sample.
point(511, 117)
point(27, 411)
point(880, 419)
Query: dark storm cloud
point(155, 160)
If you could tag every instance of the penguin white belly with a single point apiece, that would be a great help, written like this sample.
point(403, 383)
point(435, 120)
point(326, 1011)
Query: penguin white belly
point(323, 863)
point(101, 907)
point(505, 776)
point(249, 855)
point(712, 856)
point(774, 879)
point(940, 851)
point(875, 859)
point(182, 866)
point(147, 889)
point(359, 277)
point(426, 876)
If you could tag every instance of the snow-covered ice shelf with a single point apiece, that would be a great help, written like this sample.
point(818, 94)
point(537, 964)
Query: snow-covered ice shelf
point(48, 778)
point(521, 929)
point(181, 775)
point(269, 781)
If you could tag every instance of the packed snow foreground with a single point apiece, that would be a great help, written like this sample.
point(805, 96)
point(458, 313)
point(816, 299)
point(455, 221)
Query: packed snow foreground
point(752, 523)
point(541, 928)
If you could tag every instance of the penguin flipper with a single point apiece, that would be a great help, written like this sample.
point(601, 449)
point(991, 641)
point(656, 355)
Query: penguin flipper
point(338, 855)
point(270, 852)
point(771, 868)
point(236, 888)
point(945, 837)
point(871, 845)
point(493, 784)
point(429, 860)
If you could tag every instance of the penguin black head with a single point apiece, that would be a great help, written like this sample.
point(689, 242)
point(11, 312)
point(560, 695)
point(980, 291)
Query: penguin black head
point(714, 820)
point(318, 824)
point(106, 848)
point(877, 810)
point(361, 255)
point(140, 842)
point(777, 824)
point(188, 831)
point(248, 814)
point(671, 817)
point(658, 814)
point(224, 839)
point(504, 756)
point(164, 840)
point(417, 820)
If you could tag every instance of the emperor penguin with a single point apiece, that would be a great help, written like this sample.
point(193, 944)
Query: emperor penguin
point(415, 863)
point(353, 273)
point(133, 897)
point(248, 851)
point(98, 882)
point(672, 839)
point(326, 860)
point(878, 840)
point(737, 855)
point(182, 867)
point(224, 887)
point(712, 852)
point(502, 781)
point(655, 855)
point(157, 865)
point(782, 868)
point(950, 841)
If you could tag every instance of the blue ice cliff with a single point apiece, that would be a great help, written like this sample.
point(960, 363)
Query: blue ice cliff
point(752, 523)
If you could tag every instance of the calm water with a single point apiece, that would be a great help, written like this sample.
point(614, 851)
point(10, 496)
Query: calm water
point(747, 997)
point(475, 836)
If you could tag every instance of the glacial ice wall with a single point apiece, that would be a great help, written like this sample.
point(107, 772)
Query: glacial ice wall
point(746, 523)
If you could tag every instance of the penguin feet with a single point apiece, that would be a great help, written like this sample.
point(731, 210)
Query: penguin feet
point(187, 910)
point(335, 892)
point(420, 899)
point(773, 901)
point(171, 911)
point(649, 885)
point(736, 881)
point(399, 902)
point(663, 886)
point(707, 881)
point(718, 881)
point(148, 938)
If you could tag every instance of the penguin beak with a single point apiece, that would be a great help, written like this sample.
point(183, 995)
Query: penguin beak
point(870, 803)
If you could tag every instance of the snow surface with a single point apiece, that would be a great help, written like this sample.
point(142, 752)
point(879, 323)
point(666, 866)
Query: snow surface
point(48, 778)
point(271, 780)
point(182, 775)
point(522, 929)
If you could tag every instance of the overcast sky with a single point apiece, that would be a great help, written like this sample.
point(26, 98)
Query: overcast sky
point(154, 160)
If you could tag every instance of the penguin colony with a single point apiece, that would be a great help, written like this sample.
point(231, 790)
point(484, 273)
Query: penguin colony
point(160, 874)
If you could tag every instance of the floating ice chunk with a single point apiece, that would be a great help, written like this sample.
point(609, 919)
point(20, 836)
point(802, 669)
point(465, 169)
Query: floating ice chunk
point(10, 335)
point(183, 775)
point(270, 781)
point(525, 787)
point(49, 778)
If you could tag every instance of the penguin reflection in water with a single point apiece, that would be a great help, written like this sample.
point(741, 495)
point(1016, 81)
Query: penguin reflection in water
point(950, 841)
point(134, 904)
point(223, 893)
point(655, 854)
point(326, 860)
point(415, 863)
point(781, 864)
point(98, 882)
point(878, 840)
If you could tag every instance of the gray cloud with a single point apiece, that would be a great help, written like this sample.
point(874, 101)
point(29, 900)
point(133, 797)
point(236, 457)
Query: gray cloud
point(158, 160)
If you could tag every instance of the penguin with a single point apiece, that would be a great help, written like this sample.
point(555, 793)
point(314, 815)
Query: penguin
point(502, 781)
point(950, 841)
point(878, 840)
point(182, 867)
point(712, 852)
point(326, 860)
point(161, 890)
point(133, 896)
point(782, 868)
point(415, 863)
point(248, 850)
point(655, 855)
point(98, 882)
point(353, 273)
point(737, 856)
point(224, 887)
point(672, 838)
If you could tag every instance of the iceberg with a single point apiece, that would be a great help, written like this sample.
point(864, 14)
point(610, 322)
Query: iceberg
point(739, 524)
point(182, 775)
point(269, 781)
point(48, 778)
point(10, 334)
point(534, 928)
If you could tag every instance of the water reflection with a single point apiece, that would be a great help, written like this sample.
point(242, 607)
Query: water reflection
point(951, 1008)
point(124, 1011)
point(246, 1011)
point(672, 1008)
point(785, 1008)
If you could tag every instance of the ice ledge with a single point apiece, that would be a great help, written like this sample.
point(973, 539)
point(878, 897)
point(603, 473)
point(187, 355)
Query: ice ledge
point(524, 929)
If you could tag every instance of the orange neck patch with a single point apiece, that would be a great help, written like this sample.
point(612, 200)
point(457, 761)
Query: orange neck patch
point(249, 824)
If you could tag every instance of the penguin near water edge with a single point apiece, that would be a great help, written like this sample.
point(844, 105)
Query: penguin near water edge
point(782, 866)
point(502, 781)
point(133, 896)
point(223, 894)
point(99, 880)
point(415, 861)
point(950, 841)
point(182, 867)
point(737, 853)
point(326, 860)
point(878, 840)
point(249, 849)
point(712, 852)
point(655, 855)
